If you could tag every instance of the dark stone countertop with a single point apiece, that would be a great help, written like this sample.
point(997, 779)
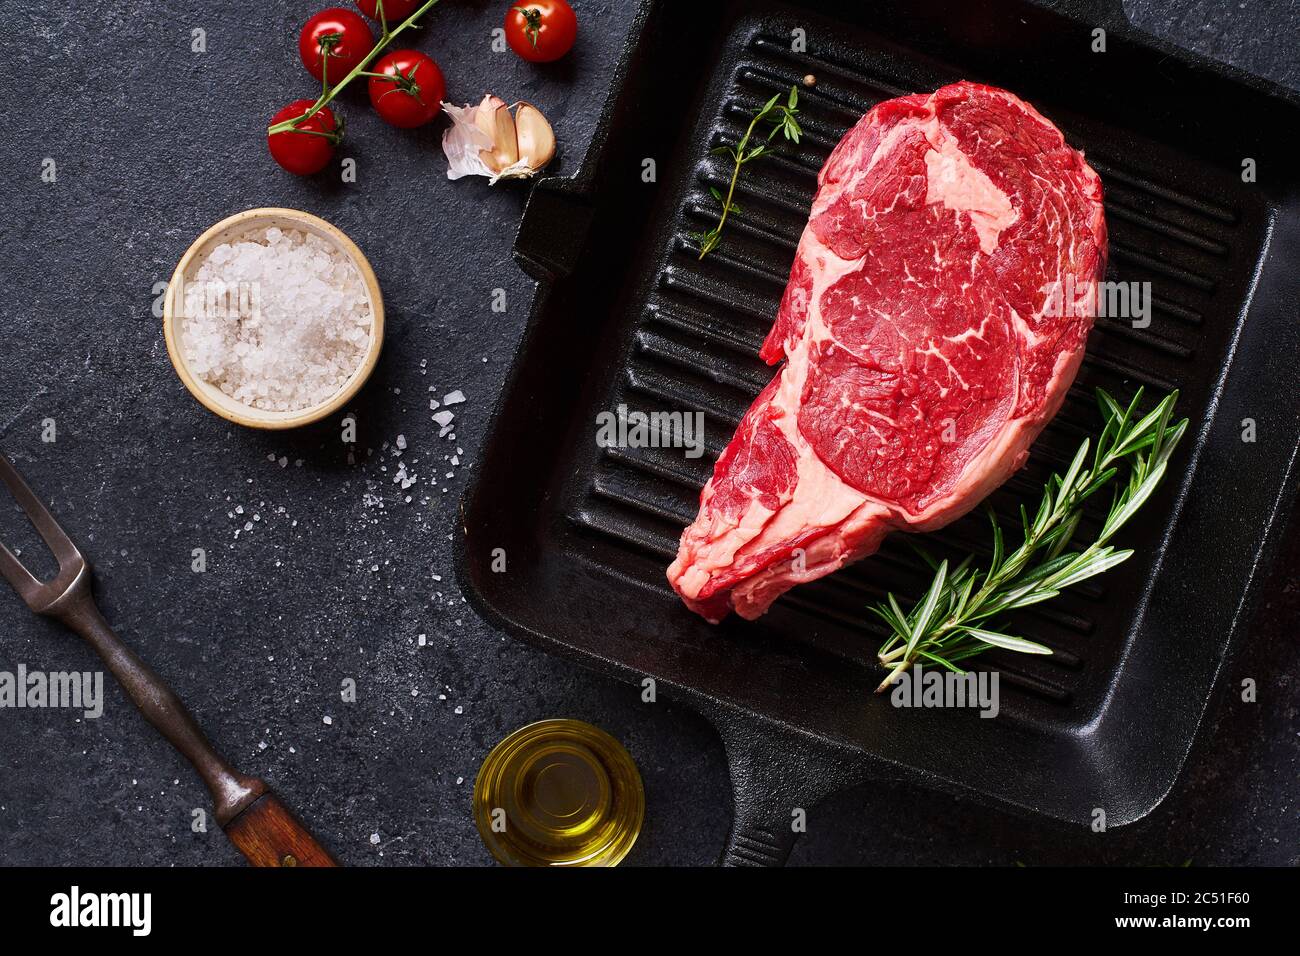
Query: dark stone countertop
point(152, 144)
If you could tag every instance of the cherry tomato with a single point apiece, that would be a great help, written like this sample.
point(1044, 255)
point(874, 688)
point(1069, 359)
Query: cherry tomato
point(395, 11)
point(343, 34)
point(541, 30)
point(303, 153)
point(415, 93)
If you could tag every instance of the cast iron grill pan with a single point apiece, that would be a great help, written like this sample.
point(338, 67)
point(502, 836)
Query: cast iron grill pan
point(628, 315)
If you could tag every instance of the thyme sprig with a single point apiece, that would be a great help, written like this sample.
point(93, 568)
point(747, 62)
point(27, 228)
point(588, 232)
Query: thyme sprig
point(781, 116)
point(957, 617)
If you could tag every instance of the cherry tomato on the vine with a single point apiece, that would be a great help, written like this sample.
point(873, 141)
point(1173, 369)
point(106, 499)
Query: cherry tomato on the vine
point(415, 93)
point(395, 11)
point(541, 30)
point(303, 153)
point(341, 36)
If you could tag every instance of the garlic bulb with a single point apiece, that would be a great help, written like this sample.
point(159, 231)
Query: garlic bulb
point(489, 140)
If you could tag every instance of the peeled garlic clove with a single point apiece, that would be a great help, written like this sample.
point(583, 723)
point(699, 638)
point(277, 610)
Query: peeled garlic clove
point(505, 146)
point(485, 115)
point(534, 135)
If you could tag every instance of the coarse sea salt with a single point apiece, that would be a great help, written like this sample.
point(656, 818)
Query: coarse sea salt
point(276, 319)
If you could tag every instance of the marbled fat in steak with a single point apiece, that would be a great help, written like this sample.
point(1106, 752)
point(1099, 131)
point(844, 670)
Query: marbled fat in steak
point(923, 352)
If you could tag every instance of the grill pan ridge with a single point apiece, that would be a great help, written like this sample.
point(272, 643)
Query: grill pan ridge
point(627, 315)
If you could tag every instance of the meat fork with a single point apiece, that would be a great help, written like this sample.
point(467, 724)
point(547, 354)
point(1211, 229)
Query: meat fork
point(254, 819)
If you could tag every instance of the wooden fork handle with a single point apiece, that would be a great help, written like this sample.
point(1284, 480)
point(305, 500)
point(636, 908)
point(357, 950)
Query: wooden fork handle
point(268, 834)
point(255, 820)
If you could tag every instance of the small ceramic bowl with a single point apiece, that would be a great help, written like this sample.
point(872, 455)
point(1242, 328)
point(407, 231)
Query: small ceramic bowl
point(240, 224)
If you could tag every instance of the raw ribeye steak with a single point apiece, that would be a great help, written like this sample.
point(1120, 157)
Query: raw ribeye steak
point(935, 316)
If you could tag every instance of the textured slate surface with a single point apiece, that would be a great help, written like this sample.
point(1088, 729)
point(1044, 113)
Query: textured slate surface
point(152, 143)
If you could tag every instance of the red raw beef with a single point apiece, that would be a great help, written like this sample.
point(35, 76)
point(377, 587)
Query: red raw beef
point(923, 350)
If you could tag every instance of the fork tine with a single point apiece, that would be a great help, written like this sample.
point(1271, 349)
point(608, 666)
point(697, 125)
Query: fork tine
point(17, 575)
point(59, 543)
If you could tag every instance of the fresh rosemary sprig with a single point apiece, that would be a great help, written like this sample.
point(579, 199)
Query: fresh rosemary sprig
point(782, 117)
point(955, 619)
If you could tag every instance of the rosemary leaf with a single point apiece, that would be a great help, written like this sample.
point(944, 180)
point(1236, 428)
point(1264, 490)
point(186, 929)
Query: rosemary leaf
point(1007, 641)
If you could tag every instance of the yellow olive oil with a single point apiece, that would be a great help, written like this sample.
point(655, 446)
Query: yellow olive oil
point(559, 793)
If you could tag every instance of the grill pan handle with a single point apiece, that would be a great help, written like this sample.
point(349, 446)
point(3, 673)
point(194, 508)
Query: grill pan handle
point(763, 823)
point(553, 229)
point(777, 776)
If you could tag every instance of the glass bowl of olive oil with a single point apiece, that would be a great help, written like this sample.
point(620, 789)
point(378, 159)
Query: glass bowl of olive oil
point(559, 793)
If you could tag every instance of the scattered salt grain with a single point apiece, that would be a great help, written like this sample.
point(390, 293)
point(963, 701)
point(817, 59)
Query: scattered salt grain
point(278, 320)
point(453, 398)
point(327, 720)
point(444, 418)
